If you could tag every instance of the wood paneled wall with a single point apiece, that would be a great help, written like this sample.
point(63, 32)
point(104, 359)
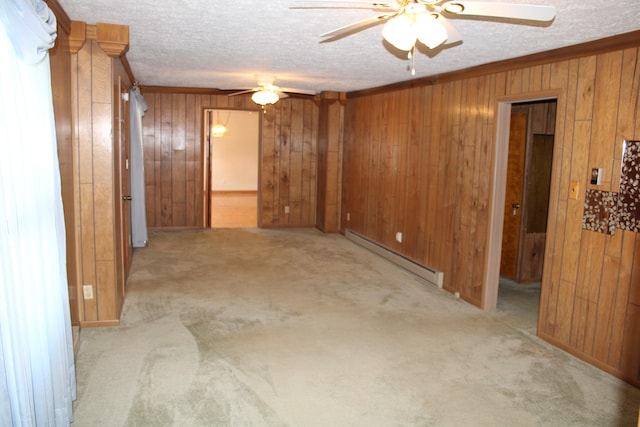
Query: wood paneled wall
point(60, 60)
point(176, 150)
point(420, 160)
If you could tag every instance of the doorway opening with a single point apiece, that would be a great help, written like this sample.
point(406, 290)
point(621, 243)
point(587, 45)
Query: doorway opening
point(528, 181)
point(232, 175)
point(520, 206)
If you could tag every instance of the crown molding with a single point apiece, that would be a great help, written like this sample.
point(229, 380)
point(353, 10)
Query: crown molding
point(608, 44)
point(61, 16)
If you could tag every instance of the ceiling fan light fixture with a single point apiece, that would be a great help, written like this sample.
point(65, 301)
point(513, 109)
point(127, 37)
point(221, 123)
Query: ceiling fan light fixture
point(218, 130)
point(264, 97)
point(429, 31)
point(400, 32)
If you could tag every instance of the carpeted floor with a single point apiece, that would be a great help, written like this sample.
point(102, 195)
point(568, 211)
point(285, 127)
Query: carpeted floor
point(250, 327)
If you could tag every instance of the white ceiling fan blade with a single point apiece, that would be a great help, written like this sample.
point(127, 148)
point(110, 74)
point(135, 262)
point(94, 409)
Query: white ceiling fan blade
point(321, 4)
point(453, 36)
point(300, 91)
point(500, 10)
point(244, 91)
point(356, 26)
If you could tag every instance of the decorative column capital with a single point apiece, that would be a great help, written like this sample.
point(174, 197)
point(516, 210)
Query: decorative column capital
point(113, 39)
point(331, 97)
point(77, 36)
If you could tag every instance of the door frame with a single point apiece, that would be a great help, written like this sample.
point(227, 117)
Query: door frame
point(122, 184)
point(206, 161)
point(497, 196)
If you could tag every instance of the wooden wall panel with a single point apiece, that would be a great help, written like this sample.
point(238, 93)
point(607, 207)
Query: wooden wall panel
point(61, 81)
point(87, 246)
point(283, 132)
point(310, 161)
point(590, 298)
point(175, 167)
point(268, 175)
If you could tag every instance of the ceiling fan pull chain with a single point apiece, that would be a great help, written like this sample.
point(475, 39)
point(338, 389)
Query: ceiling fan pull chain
point(411, 57)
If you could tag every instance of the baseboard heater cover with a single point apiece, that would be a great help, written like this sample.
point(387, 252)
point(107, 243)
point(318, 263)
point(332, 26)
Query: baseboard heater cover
point(432, 276)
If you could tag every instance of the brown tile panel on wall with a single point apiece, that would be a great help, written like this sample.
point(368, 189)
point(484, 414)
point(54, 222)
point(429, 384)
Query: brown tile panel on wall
point(175, 169)
point(419, 160)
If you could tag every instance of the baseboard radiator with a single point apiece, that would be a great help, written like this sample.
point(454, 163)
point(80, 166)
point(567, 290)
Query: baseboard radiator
point(432, 276)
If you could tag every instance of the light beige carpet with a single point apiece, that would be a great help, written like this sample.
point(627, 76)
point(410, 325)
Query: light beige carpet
point(249, 327)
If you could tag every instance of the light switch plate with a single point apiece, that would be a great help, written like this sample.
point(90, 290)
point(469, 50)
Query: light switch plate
point(596, 176)
point(573, 190)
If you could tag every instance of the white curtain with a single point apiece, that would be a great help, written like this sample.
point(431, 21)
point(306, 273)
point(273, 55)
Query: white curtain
point(37, 374)
point(137, 107)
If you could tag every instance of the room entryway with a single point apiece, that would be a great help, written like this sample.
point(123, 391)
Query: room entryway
point(531, 139)
point(233, 137)
point(526, 203)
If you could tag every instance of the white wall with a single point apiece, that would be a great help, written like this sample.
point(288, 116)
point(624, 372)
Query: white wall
point(234, 157)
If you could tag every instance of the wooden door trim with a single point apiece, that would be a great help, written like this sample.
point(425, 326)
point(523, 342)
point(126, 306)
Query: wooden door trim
point(497, 196)
point(206, 167)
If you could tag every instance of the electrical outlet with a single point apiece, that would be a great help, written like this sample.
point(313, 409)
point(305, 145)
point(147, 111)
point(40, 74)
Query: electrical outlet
point(348, 216)
point(286, 209)
point(87, 290)
point(399, 237)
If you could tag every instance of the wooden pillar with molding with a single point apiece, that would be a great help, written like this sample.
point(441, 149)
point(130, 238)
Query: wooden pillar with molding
point(330, 146)
point(98, 78)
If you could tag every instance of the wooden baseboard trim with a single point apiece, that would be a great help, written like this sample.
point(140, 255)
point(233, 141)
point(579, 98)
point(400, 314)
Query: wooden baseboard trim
point(99, 323)
point(590, 360)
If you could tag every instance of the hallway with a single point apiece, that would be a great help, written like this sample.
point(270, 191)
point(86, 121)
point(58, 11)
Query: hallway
point(254, 327)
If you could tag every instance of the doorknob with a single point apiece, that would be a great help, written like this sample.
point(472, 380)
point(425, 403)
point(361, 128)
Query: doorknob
point(515, 206)
point(126, 197)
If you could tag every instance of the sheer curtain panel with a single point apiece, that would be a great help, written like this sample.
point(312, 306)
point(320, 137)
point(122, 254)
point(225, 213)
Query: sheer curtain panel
point(137, 107)
point(37, 375)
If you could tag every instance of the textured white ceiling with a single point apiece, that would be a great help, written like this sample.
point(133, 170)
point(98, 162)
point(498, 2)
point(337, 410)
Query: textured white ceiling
point(224, 44)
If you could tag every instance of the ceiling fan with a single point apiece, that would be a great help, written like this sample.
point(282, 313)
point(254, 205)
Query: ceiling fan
point(268, 93)
point(408, 22)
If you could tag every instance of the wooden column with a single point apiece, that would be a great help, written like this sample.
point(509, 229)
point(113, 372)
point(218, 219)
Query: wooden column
point(95, 70)
point(330, 144)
